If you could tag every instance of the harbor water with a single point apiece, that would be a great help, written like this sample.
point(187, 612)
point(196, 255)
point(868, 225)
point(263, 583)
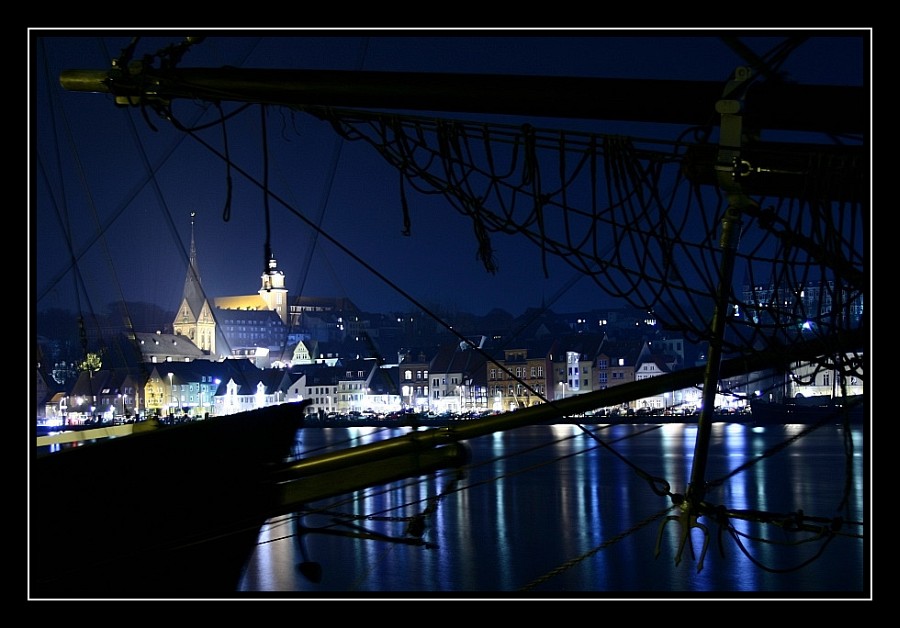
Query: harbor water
point(588, 512)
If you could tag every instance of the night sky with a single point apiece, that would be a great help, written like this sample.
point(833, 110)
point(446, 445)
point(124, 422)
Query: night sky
point(125, 192)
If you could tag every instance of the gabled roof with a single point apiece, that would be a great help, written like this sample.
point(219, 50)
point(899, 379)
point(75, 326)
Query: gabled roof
point(442, 360)
point(353, 367)
point(108, 382)
point(615, 350)
point(661, 361)
point(587, 345)
point(413, 356)
point(386, 381)
point(162, 346)
point(90, 384)
point(193, 371)
point(243, 372)
point(275, 380)
point(459, 358)
point(319, 374)
point(542, 347)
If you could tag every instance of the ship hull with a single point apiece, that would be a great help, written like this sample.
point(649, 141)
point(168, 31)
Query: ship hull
point(174, 512)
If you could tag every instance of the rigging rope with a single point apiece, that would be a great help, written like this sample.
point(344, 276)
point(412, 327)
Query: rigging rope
point(654, 243)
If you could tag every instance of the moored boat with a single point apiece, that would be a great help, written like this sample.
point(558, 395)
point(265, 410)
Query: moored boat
point(165, 512)
point(177, 511)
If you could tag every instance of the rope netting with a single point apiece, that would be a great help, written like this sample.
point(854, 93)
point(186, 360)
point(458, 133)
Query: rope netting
point(642, 219)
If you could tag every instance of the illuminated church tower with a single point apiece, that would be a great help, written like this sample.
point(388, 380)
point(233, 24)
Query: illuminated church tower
point(194, 318)
point(273, 291)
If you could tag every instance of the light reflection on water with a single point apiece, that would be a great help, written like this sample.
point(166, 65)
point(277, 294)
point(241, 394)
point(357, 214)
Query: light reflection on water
point(548, 511)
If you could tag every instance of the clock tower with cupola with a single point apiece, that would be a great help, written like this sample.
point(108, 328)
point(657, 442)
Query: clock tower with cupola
point(273, 291)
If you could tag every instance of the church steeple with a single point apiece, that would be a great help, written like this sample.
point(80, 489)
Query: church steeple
point(273, 291)
point(194, 318)
point(193, 290)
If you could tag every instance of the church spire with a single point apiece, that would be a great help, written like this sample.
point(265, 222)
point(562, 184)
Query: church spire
point(193, 291)
point(194, 318)
point(193, 254)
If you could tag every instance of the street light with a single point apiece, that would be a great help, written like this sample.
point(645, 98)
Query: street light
point(171, 395)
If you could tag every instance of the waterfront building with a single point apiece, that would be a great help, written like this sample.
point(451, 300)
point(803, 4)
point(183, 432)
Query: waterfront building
point(453, 375)
point(319, 384)
point(384, 392)
point(523, 376)
point(186, 389)
point(653, 365)
point(414, 369)
point(810, 380)
point(355, 377)
point(104, 397)
point(574, 363)
point(616, 362)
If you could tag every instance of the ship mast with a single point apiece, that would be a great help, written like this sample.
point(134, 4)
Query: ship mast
point(772, 105)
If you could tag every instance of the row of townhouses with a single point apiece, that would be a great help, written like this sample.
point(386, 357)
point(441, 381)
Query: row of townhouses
point(459, 378)
point(229, 354)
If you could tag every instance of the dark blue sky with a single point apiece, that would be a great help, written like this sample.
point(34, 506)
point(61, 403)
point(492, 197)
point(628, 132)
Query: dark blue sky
point(125, 192)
